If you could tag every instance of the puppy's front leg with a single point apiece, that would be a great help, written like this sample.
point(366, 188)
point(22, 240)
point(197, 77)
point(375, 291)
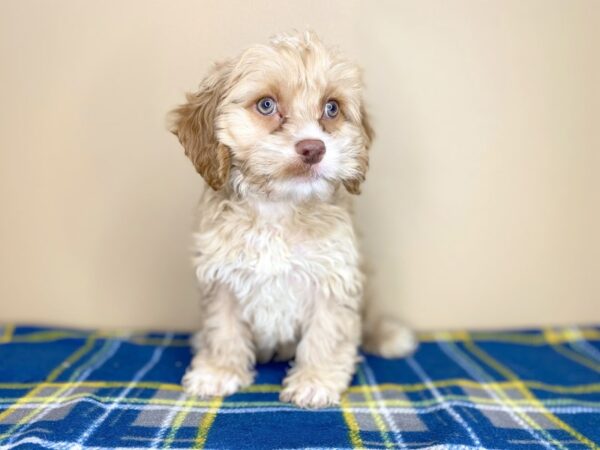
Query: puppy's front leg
point(224, 357)
point(326, 355)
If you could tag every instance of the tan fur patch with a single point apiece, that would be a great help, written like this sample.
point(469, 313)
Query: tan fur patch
point(332, 125)
point(194, 125)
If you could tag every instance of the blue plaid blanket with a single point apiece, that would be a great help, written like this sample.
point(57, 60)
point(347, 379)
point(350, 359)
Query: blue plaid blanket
point(66, 389)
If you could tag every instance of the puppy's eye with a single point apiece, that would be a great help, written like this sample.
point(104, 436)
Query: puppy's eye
point(266, 106)
point(331, 109)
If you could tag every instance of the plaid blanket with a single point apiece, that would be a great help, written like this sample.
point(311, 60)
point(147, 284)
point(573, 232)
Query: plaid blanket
point(66, 389)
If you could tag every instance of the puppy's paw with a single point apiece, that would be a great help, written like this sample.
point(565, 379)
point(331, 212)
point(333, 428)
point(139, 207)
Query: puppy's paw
point(309, 395)
point(309, 392)
point(208, 381)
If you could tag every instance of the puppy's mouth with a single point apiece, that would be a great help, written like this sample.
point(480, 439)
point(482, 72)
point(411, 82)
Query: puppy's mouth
point(300, 169)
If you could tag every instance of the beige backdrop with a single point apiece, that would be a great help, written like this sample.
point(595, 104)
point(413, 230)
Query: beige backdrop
point(481, 208)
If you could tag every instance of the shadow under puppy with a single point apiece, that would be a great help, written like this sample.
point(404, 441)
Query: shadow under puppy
point(281, 136)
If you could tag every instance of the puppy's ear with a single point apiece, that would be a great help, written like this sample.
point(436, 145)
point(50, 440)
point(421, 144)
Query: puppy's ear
point(194, 124)
point(353, 185)
point(367, 129)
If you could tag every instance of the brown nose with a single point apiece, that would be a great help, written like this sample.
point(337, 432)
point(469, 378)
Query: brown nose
point(311, 150)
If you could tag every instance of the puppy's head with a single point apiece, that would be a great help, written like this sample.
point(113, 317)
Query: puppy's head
point(284, 120)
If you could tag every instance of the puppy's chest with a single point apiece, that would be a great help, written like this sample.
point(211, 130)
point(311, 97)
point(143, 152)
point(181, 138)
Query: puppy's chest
point(244, 251)
point(255, 252)
point(269, 268)
point(275, 267)
point(272, 250)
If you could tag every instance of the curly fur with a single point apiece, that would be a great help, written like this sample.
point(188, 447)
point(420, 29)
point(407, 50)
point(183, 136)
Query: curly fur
point(275, 251)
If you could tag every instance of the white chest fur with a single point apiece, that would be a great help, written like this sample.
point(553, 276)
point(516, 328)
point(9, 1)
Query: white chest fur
point(277, 260)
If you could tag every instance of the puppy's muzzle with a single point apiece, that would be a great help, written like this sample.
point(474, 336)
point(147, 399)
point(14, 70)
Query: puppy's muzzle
point(311, 150)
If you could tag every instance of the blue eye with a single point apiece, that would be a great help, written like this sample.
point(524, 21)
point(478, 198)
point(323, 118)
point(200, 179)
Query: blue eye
point(266, 106)
point(331, 109)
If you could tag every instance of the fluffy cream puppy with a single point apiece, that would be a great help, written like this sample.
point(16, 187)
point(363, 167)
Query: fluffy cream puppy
point(281, 136)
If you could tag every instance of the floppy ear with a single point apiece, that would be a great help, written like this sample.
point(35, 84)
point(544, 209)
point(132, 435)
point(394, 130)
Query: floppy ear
point(353, 185)
point(194, 124)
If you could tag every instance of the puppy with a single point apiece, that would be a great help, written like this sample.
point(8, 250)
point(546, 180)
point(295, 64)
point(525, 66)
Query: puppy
point(281, 136)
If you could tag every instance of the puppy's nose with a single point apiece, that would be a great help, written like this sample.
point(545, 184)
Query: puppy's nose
point(311, 150)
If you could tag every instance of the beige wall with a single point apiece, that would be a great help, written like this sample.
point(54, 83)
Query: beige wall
point(481, 208)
